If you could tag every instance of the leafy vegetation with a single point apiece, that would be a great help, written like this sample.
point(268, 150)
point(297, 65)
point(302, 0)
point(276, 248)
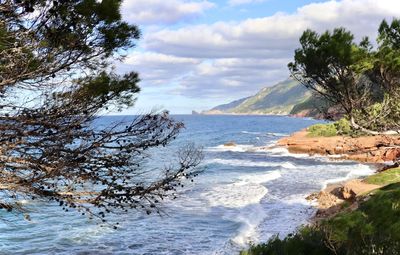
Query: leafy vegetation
point(359, 80)
point(363, 82)
point(384, 178)
point(325, 130)
point(59, 56)
point(374, 228)
point(340, 127)
point(307, 241)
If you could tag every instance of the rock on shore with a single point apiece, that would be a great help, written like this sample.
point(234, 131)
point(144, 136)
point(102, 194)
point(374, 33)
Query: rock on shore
point(371, 149)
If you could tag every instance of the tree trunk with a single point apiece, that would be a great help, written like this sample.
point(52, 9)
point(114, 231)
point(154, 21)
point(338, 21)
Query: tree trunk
point(368, 131)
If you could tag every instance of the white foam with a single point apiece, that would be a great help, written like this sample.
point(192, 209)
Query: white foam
point(82, 235)
point(250, 219)
point(245, 191)
point(281, 151)
point(249, 163)
point(267, 134)
point(358, 170)
point(297, 199)
point(260, 178)
point(278, 134)
point(235, 148)
point(288, 165)
point(251, 133)
point(236, 195)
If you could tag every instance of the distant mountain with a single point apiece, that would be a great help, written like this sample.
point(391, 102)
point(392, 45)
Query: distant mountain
point(287, 97)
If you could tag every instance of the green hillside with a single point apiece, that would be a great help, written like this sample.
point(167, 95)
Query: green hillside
point(287, 97)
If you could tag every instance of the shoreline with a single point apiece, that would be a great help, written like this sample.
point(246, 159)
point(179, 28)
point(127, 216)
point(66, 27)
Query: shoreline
point(330, 200)
point(364, 149)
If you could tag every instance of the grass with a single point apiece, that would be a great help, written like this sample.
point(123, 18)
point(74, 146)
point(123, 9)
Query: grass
point(384, 178)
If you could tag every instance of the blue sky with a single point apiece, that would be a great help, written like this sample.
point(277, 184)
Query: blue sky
point(196, 54)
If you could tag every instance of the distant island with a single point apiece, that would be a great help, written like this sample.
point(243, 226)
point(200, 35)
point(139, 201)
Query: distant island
point(285, 98)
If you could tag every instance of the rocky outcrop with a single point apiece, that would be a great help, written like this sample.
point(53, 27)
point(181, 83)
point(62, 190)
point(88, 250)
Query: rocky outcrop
point(371, 149)
point(330, 200)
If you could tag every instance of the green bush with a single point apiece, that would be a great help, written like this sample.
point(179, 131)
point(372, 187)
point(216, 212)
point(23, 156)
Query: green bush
point(308, 241)
point(340, 127)
point(343, 127)
point(325, 130)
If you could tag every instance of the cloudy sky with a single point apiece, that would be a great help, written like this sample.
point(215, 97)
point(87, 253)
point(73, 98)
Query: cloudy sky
point(196, 54)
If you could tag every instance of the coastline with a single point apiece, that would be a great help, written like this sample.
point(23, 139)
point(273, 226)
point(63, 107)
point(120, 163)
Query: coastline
point(365, 149)
point(330, 200)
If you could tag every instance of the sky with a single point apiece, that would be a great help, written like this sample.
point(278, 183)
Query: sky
point(197, 54)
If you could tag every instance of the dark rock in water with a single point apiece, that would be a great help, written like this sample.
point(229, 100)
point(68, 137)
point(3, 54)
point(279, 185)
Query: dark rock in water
point(230, 144)
point(312, 196)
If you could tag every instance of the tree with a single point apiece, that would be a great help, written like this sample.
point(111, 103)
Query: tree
point(359, 80)
point(55, 81)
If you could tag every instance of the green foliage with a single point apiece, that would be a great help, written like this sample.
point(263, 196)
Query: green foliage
point(343, 127)
point(358, 79)
point(325, 130)
point(380, 115)
point(384, 178)
point(319, 51)
point(57, 79)
point(340, 127)
point(374, 228)
point(105, 87)
point(307, 241)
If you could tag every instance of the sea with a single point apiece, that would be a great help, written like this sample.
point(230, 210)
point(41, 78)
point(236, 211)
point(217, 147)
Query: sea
point(243, 194)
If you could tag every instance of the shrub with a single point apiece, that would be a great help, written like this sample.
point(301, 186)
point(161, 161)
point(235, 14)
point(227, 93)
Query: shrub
point(340, 127)
point(343, 127)
point(307, 241)
point(325, 130)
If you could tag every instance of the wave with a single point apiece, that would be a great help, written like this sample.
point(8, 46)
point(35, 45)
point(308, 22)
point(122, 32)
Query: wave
point(278, 134)
point(251, 133)
point(260, 178)
point(263, 133)
point(358, 170)
point(281, 151)
point(235, 195)
point(241, 201)
point(249, 219)
point(236, 148)
point(249, 163)
point(246, 190)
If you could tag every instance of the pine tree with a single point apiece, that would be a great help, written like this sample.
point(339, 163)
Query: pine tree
point(56, 79)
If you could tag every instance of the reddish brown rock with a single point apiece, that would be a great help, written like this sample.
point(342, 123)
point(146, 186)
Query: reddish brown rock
point(330, 200)
point(372, 149)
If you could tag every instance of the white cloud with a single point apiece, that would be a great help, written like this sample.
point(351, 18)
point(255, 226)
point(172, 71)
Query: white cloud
point(232, 77)
point(240, 2)
point(272, 36)
point(145, 12)
point(239, 58)
point(157, 69)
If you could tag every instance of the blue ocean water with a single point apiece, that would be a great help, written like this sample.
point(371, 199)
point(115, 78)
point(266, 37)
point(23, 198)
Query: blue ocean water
point(244, 193)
